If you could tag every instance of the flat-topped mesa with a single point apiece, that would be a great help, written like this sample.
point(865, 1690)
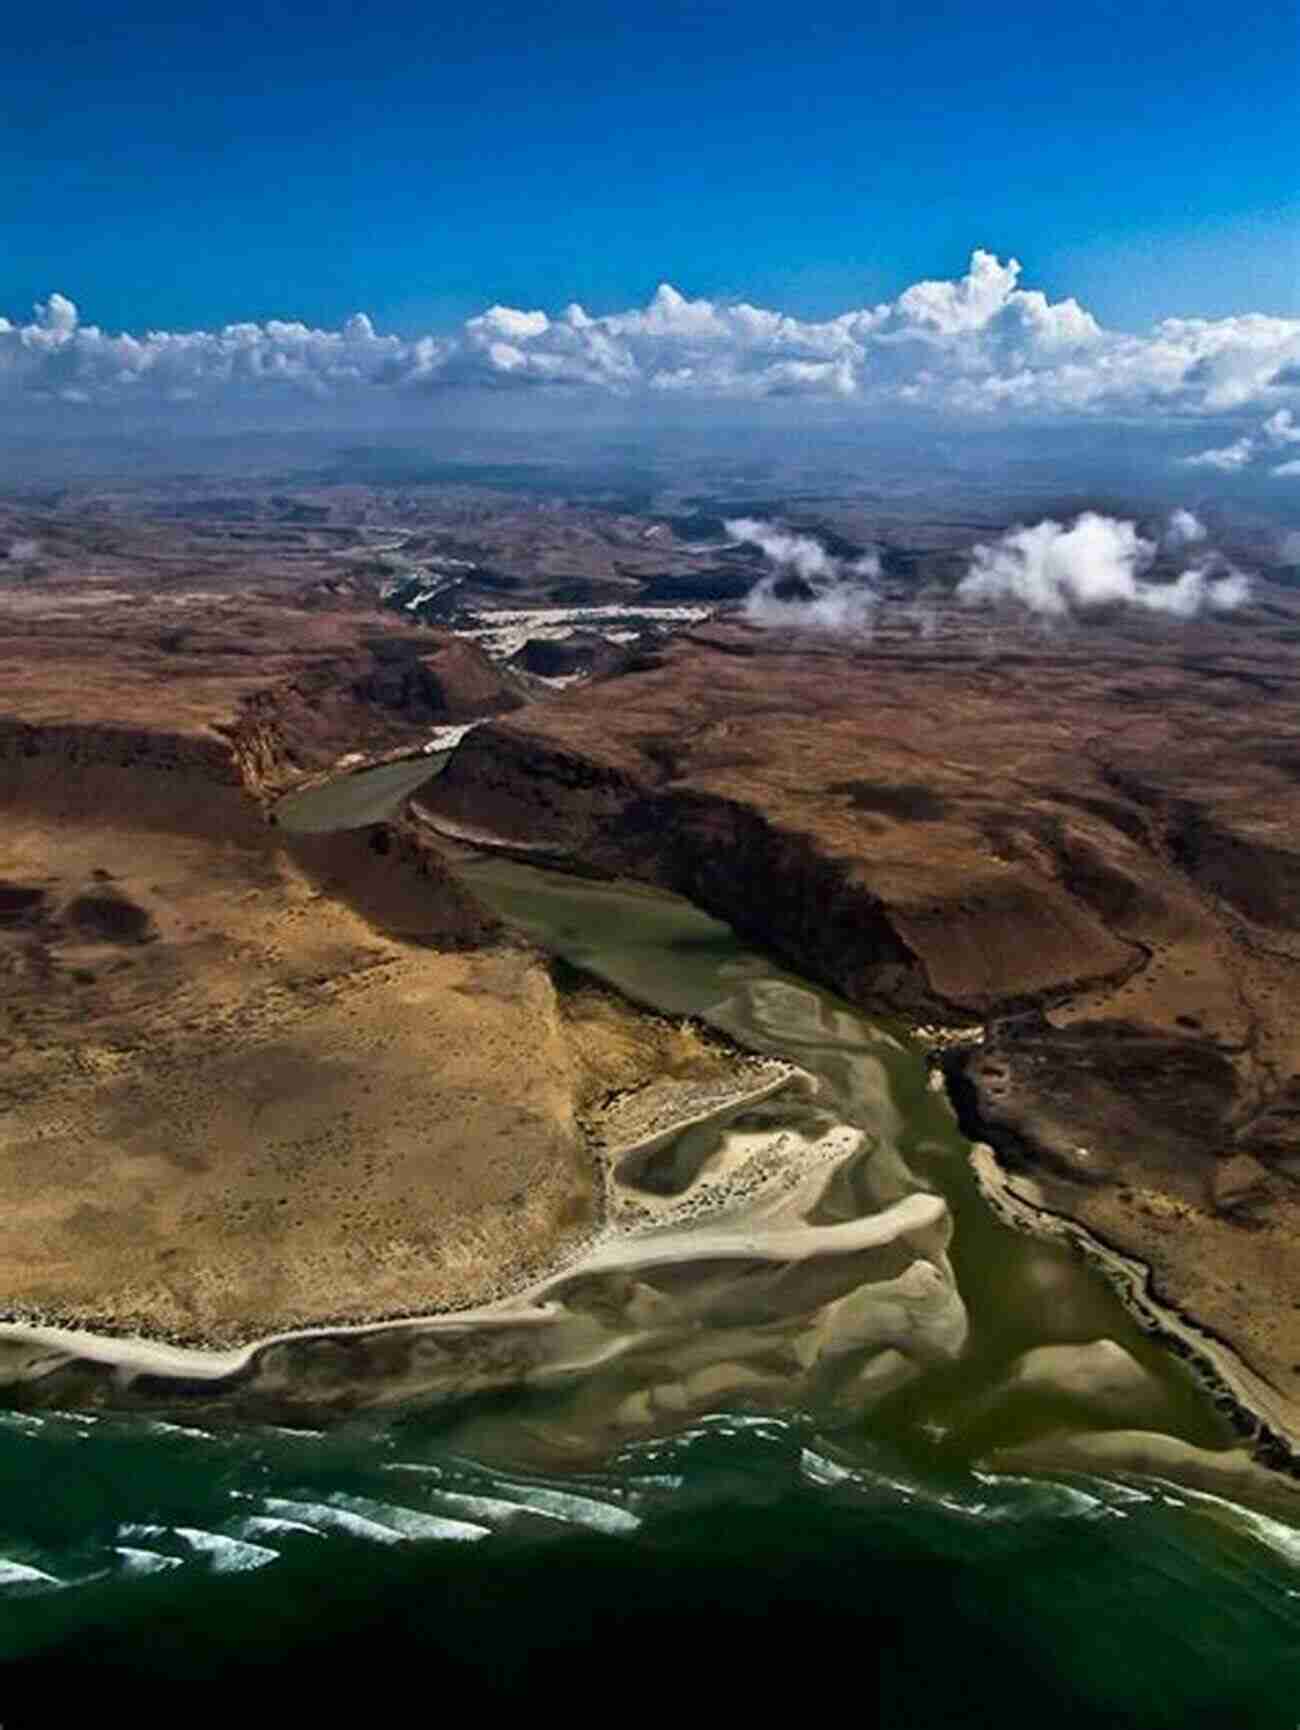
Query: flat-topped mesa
point(83, 744)
point(944, 938)
point(256, 695)
point(965, 825)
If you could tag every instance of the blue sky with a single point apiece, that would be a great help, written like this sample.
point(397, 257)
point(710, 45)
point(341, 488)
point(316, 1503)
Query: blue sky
point(180, 166)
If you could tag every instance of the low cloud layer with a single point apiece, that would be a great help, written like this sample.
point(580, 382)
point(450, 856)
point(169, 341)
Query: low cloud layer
point(1184, 529)
point(807, 589)
point(977, 345)
point(1099, 562)
point(1054, 570)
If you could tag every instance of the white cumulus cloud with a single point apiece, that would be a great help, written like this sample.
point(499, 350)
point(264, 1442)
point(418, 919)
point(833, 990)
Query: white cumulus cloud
point(1278, 431)
point(808, 588)
point(977, 344)
point(1227, 458)
point(1096, 561)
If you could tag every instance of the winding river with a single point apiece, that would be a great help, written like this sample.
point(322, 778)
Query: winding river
point(695, 1489)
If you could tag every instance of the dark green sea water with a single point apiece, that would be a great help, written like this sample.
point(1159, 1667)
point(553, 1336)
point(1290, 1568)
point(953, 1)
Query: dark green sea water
point(439, 1559)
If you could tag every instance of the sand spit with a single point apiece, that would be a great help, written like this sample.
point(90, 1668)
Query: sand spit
point(651, 1321)
point(1255, 1406)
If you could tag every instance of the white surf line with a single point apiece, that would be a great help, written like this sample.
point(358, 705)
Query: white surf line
point(1215, 1362)
point(136, 1561)
point(656, 1247)
point(20, 1574)
point(226, 1555)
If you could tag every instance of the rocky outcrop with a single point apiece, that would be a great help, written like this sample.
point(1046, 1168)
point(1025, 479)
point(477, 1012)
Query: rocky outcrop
point(453, 682)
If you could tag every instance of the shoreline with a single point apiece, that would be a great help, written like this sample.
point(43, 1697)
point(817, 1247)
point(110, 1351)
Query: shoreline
point(1252, 1404)
point(608, 1252)
point(609, 1247)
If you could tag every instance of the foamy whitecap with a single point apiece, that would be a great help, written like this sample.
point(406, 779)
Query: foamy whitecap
point(22, 1574)
point(269, 1526)
point(374, 1522)
point(412, 1523)
point(577, 1510)
point(1282, 1539)
point(136, 1561)
point(227, 1555)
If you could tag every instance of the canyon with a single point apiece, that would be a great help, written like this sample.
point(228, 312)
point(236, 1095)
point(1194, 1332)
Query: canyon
point(260, 1078)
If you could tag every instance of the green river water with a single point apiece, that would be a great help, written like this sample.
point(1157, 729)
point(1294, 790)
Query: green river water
point(746, 1560)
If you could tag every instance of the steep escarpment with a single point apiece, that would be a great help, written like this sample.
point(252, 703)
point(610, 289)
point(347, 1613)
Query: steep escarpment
point(505, 789)
point(231, 689)
point(691, 775)
point(107, 744)
point(387, 695)
point(1089, 844)
point(193, 736)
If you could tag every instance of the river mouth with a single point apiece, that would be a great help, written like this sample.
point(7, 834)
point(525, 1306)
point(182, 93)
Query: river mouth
point(497, 1531)
point(815, 1243)
point(958, 1402)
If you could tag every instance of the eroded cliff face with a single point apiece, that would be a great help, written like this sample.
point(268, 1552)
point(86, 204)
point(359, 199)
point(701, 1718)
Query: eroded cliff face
point(1090, 845)
point(233, 689)
point(772, 884)
point(387, 696)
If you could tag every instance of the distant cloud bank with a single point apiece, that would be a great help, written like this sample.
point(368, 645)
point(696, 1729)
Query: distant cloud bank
point(980, 345)
point(1278, 432)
